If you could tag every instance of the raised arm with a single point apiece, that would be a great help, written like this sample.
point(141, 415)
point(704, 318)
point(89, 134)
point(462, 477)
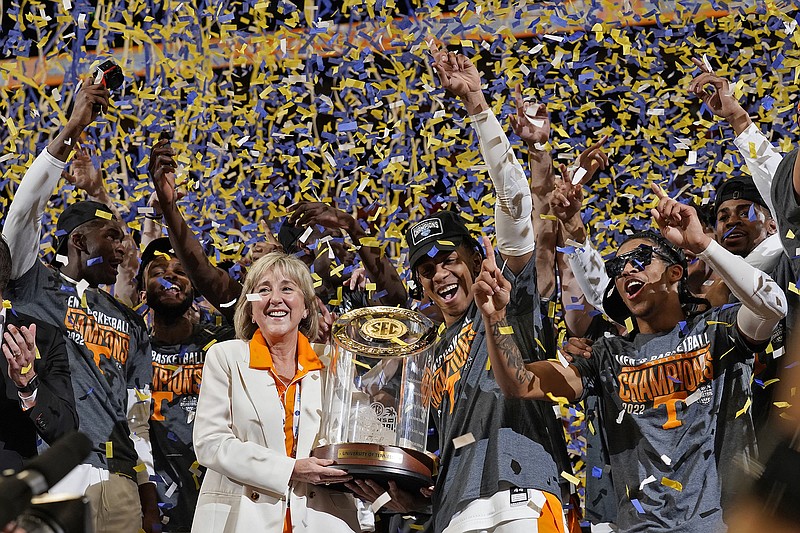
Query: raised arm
point(532, 124)
point(585, 262)
point(216, 285)
point(515, 237)
point(534, 381)
point(763, 302)
point(377, 264)
point(761, 157)
point(23, 223)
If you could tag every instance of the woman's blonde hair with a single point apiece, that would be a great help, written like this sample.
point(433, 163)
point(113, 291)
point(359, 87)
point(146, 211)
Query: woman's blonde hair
point(292, 268)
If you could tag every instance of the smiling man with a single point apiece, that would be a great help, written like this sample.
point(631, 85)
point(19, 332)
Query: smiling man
point(107, 344)
point(500, 458)
point(743, 220)
point(178, 349)
point(675, 392)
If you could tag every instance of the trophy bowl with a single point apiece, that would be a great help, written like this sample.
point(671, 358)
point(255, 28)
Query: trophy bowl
point(377, 394)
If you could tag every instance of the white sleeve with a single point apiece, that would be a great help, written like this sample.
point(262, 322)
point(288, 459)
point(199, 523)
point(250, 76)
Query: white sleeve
point(763, 302)
point(589, 270)
point(139, 401)
point(767, 254)
point(514, 203)
point(762, 161)
point(23, 223)
point(220, 449)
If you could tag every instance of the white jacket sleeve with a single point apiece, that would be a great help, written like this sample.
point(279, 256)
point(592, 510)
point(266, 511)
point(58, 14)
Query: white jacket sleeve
point(216, 445)
point(762, 160)
point(514, 203)
point(23, 223)
point(763, 302)
point(589, 270)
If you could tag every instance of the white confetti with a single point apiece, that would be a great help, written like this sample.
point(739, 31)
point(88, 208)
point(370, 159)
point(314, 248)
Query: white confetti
point(380, 501)
point(171, 490)
point(537, 501)
point(578, 176)
point(463, 440)
point(254, 297)
point(81, 287)
point(647, 481)
point(620, 417)
point(306, 234)
point(667, 461)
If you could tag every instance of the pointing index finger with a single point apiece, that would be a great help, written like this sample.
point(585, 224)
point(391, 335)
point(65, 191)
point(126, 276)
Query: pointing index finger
point(433, 48)
point(658, 191)
point(487, 245)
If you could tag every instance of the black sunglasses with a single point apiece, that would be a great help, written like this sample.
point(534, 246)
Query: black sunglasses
point(639, 257)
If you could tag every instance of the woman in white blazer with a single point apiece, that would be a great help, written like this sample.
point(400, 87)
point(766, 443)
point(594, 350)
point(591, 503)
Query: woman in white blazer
point(258, 415)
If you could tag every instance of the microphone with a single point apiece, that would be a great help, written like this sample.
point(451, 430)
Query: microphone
point(41, 473)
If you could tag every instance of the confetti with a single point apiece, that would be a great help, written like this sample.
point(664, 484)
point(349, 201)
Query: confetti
point(380, 501)
point(463, 440)
point(671, 484)
point(572, 479)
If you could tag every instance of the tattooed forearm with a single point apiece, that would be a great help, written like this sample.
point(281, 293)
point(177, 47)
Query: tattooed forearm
point(509, 350)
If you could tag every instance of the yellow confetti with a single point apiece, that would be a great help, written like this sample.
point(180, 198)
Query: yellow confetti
point(109, 450)
point(572, 479)
point(506, 330)
point(672, 484)
point(362, 365)
point(103, 214)
point(629, 324)
point(744, 409)
point(560, 400)
point(26, 369)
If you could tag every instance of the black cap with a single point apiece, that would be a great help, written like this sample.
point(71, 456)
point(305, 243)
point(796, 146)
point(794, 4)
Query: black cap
point(76, 215)
point(153, 250)
point(445, 230)
point(738, 188)
point(288, 234)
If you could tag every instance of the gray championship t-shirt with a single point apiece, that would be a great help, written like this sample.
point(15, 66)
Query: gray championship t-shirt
point(177, 375)
point(517, 443)
point(109, 353)
point(677, 419)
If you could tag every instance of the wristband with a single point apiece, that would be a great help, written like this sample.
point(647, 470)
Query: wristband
point(29, 387)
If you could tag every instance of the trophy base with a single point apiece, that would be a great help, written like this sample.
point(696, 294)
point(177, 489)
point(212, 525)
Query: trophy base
point(409, 469)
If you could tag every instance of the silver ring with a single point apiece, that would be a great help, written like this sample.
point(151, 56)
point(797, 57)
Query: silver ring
point(17, 354)
point(327, 484)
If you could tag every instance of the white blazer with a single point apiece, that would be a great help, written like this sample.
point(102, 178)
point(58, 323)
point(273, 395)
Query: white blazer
point(238, 435)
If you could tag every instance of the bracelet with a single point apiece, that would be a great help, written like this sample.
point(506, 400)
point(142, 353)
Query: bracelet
point(29, 387)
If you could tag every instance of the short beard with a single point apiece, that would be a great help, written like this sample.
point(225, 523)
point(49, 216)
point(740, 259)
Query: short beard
point(170, 312)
